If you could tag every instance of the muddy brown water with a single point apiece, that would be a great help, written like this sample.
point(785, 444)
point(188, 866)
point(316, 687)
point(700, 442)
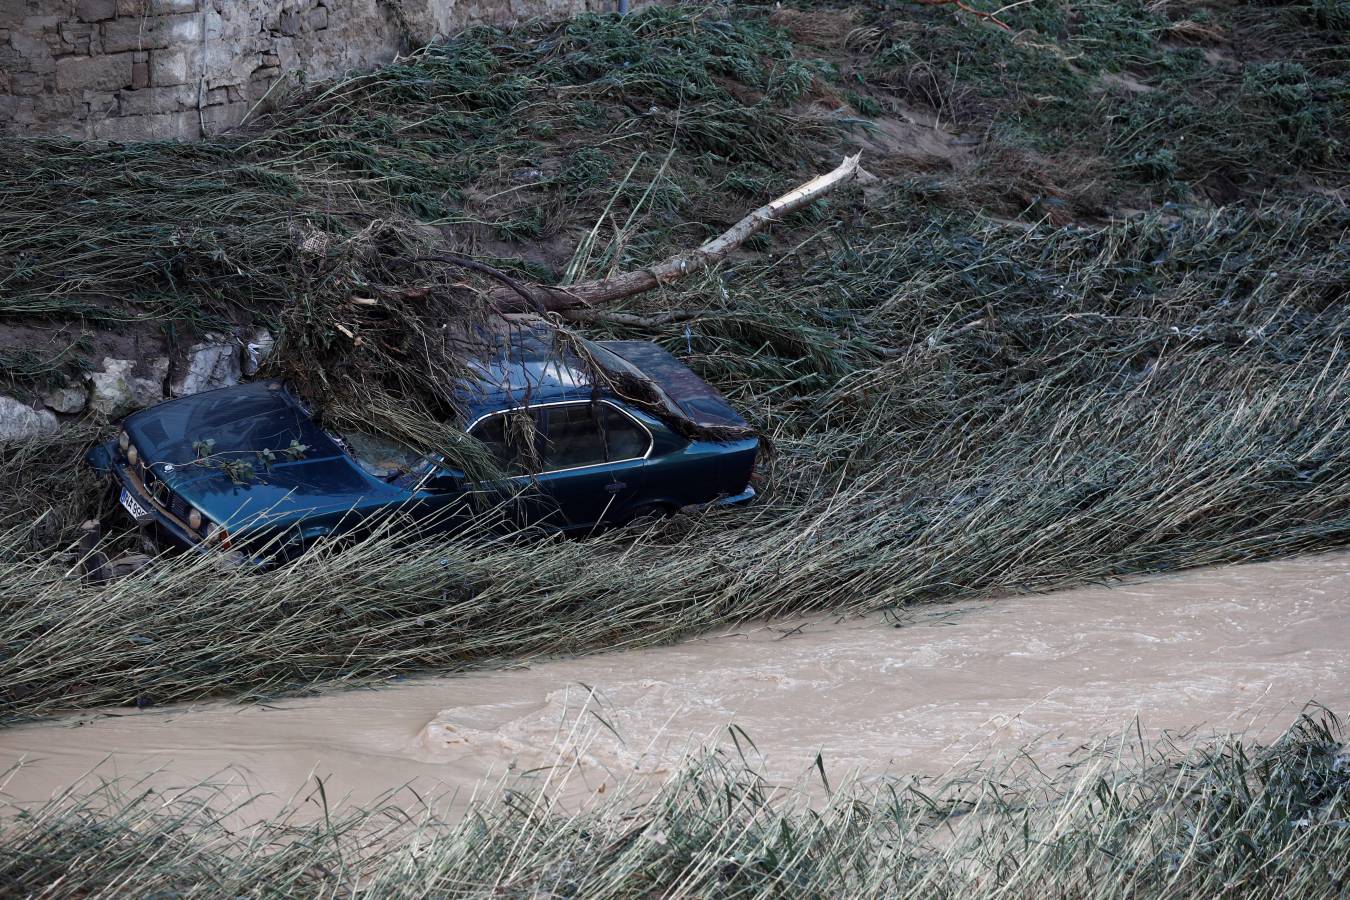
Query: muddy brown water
point(1232, 649)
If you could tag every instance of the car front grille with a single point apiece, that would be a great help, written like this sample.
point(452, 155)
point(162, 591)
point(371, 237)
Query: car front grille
point(158, 489)
point(179, 507)
point(163, 496)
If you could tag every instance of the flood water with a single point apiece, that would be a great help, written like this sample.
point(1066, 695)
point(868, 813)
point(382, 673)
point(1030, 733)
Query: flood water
point(1233, 649)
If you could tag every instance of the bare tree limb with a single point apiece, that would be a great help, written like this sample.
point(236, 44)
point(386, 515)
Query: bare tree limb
point(521, 290)
point(575, 298)
point(629, 320)
point(979, 14)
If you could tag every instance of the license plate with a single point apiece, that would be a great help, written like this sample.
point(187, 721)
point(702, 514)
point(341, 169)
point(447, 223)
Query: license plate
point(133, 506)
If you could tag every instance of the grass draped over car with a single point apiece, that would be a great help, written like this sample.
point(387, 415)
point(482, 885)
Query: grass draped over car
point(1224, 818)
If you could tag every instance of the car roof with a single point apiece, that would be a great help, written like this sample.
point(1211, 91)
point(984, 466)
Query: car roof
point(522, 361)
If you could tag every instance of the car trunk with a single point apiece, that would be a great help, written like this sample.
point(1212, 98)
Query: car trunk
point(694, 397)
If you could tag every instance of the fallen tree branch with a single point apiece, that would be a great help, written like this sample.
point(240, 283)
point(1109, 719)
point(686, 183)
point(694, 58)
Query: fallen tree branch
point(977, 13)
point(572, 301)
point(629, 320)
point(519, 289)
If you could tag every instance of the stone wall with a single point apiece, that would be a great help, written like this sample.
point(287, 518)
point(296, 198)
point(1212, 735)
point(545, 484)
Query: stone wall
point(127, 69)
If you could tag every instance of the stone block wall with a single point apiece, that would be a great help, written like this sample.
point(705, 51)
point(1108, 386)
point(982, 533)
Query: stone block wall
point(133, 69)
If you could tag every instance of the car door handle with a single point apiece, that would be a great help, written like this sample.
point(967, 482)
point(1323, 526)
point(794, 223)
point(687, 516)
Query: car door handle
point(615, 486)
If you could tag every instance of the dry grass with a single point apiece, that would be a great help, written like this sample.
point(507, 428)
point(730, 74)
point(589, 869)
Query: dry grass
point(955, 412)
point(975, 382)
point(1227, 818)
point(959, 405)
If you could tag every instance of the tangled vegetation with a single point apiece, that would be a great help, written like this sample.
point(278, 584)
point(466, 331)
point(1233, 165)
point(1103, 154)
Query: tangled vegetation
point(1089, 320)
point(1084, 415)
point(1227, 819)
point(1018, 359)
point(529, 149)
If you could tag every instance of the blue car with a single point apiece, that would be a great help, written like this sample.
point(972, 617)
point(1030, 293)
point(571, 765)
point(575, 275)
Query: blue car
point(248, 467)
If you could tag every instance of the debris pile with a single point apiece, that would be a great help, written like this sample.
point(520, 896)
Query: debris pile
point(977, 375)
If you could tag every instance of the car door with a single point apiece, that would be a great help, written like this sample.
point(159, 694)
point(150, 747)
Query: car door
point(512, 438)
point(592, 457)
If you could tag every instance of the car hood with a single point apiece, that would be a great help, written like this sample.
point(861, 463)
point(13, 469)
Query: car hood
point(199, 447)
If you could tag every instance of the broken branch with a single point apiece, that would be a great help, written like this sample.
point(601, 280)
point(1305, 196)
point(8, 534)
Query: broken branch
point(979, 14)
point(629, 320)
point(515, 287)
point(572, 300)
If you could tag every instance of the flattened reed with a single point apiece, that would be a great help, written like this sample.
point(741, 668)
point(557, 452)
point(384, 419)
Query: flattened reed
point(981, 411)
point(959, 404)
point(975, 381)
point(1225, 818)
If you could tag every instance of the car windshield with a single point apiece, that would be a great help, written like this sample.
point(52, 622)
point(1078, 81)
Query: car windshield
point(240, 422)
point(382, 457)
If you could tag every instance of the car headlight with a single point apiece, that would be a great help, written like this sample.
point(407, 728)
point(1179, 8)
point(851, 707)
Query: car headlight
point(133, 457)
point(123, 441)
point(195, 520)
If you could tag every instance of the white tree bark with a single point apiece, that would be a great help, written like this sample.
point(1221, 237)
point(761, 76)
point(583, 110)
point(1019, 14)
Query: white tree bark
point(576, 298)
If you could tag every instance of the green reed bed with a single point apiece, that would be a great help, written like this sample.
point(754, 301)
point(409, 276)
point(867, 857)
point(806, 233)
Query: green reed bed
point(958, 403)
point(961, 410)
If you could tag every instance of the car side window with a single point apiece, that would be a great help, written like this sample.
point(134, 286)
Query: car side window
point(510, 438)
point(624, 438)
point(586, 434)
